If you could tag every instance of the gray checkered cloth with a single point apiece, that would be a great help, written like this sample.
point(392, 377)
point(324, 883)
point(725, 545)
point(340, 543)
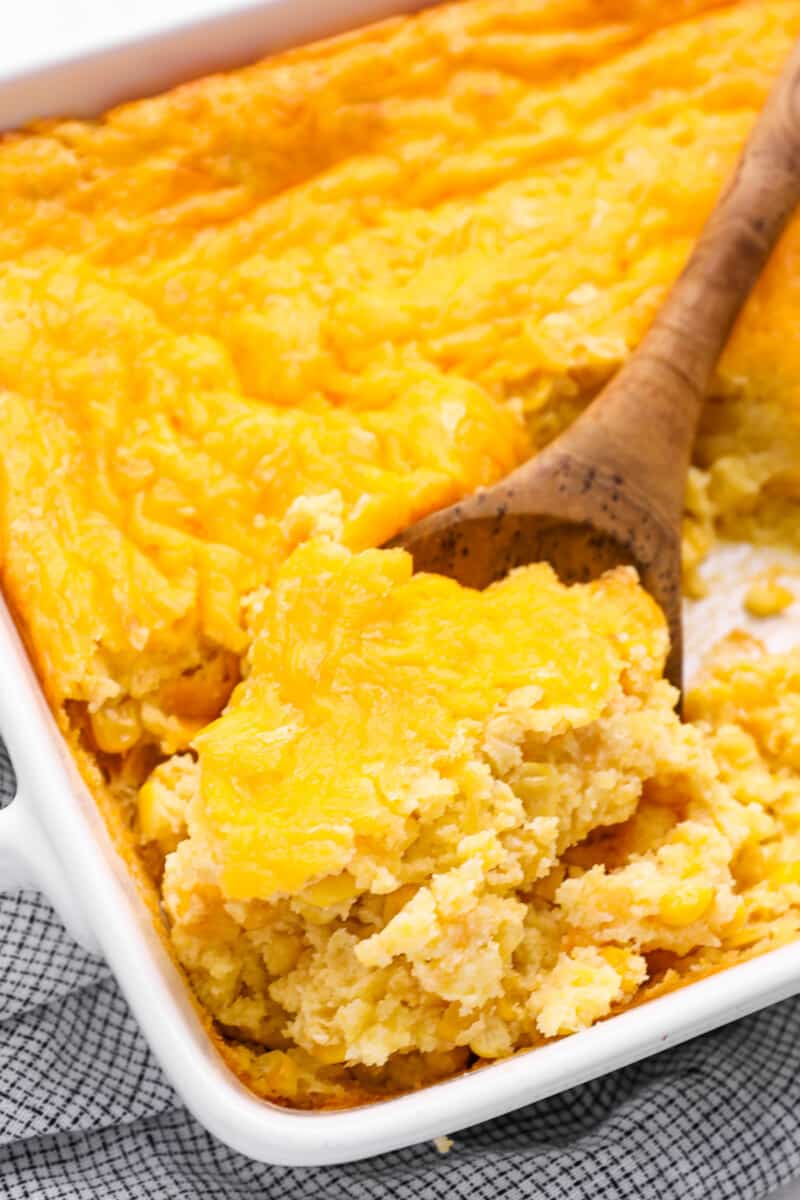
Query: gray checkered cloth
point(85, 1113)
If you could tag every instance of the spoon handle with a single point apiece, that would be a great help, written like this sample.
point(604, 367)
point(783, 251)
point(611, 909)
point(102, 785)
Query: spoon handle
point(646, 418)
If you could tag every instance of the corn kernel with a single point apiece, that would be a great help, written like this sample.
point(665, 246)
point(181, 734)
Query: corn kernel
point(767, 598)
point(116, 727)
point(686, 904)
point(334, 890)
point(616, 957)
point(152, 824)
point(785, 873)
point(329, 1055)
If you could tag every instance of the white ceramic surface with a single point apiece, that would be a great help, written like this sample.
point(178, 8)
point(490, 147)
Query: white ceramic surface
point(52, 836)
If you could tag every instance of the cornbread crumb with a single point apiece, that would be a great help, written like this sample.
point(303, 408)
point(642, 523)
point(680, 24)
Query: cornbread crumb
point(443, 1144)
point(163, 802)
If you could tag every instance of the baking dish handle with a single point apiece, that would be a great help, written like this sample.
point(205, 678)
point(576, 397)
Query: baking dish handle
point(27, 860)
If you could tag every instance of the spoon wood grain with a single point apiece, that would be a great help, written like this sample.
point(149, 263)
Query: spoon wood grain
point(610, 489)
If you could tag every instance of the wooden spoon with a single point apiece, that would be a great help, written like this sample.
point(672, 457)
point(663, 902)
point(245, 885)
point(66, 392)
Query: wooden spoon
point(610, 489)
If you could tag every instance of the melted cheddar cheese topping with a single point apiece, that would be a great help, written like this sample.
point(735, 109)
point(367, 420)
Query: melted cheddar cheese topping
point(361, 677)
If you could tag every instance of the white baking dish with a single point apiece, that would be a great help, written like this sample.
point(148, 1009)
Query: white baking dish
point(53, 838)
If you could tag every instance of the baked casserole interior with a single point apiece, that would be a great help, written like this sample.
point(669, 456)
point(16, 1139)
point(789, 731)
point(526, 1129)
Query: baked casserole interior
point(252, 328)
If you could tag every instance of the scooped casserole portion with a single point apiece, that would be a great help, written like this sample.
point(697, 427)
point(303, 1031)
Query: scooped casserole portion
point(251, 329)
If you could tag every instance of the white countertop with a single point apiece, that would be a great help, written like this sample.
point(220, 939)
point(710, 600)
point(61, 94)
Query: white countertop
point(39, 31)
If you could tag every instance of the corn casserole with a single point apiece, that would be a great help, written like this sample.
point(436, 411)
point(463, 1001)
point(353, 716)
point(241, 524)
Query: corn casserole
point(250, 329)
